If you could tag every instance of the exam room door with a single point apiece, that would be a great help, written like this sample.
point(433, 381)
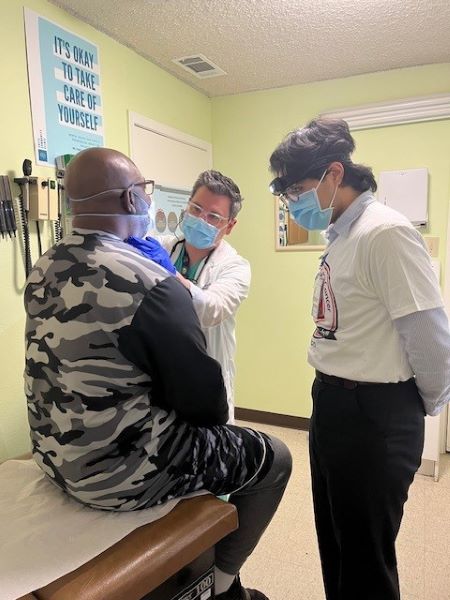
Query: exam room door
point(166, 155)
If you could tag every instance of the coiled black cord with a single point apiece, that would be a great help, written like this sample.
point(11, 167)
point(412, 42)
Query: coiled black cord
point(57, 229)
point(26, 236)
point(38, 231)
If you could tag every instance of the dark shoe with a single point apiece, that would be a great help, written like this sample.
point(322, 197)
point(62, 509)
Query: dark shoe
point(237, 592)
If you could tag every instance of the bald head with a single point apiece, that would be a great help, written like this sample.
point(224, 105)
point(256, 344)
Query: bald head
point(112, 191)
point(99, 169)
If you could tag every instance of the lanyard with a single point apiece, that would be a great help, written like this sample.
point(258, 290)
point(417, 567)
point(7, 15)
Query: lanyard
point(185, 262)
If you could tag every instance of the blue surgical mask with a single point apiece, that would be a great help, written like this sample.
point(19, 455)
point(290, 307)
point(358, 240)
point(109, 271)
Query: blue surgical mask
point(198, 232)
point(307, 212)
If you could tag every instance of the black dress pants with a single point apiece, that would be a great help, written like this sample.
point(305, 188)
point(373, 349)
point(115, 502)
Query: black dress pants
point(365, 447)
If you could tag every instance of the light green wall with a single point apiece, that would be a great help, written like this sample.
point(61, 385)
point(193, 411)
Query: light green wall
point(274, 324)
point(128, 83)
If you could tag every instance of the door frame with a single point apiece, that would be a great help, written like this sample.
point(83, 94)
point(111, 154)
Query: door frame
point(445, 419)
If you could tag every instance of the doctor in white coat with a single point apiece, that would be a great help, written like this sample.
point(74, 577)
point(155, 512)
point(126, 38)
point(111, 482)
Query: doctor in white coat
point(214, 273)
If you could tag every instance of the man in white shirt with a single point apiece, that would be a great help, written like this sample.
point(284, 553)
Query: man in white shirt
point(381, 350)
point(213, 272)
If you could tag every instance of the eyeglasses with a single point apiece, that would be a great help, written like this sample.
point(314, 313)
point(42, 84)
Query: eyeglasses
point(286, 188)
point(293, 192)
point(289, 189)
point(148, 186)
point(212, 218)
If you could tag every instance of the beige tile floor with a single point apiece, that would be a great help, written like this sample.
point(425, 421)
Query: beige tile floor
point(285, 565)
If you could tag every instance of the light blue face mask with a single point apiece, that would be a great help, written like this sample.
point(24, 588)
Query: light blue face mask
point(198, 232)
point(307, 212)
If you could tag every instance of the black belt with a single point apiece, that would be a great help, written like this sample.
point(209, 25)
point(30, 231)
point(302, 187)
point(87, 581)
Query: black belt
point(348, 384)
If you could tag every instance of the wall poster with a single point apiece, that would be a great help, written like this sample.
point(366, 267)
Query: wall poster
point(65, 90)
point(168, 206)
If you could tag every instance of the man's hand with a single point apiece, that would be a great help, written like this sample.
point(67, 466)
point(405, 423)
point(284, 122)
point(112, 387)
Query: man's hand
point(183, 280)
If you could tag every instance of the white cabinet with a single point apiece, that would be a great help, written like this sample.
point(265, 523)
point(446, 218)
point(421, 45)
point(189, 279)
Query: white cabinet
point(447, 444)
point(432, 447)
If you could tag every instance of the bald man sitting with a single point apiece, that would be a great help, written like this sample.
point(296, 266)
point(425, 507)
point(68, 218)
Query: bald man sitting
point(125, 406)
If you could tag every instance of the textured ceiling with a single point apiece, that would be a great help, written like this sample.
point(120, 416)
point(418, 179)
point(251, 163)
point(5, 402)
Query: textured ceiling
point(264, 44)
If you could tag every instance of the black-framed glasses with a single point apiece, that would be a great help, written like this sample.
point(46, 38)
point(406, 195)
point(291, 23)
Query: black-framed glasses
point(282, 187)
point(293, 191)
point(212, 218)
point(148, 186)
point(288, 189)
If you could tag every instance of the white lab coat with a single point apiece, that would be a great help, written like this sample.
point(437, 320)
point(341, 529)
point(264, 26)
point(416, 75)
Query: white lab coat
point(222, 285)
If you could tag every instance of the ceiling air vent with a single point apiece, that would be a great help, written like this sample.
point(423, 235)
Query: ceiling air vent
point(199, 65)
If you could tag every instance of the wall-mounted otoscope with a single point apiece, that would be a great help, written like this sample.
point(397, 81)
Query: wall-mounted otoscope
point(64, 222)
point(7, 215)
point(24, 207)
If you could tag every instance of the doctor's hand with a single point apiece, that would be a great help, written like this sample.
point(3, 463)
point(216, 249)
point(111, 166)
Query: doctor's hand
point(153, 250)
point(183, 280)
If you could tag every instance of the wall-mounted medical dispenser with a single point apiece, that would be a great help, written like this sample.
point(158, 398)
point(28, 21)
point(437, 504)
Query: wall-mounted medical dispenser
point(407, 192)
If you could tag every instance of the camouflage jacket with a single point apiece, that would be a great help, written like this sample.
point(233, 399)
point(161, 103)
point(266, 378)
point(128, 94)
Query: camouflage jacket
point(124, 402)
